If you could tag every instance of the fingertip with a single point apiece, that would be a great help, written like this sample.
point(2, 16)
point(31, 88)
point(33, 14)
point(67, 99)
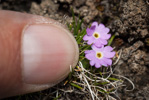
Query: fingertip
point(36, 60)
point(47, 51)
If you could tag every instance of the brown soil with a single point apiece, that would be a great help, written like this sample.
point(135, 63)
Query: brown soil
point(128, 19)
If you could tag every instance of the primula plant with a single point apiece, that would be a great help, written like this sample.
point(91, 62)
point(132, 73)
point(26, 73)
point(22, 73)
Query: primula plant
point(94, 73)
point(100, 56)
point(97, 35)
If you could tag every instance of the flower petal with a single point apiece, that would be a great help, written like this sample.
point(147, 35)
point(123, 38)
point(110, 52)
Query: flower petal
point(97, 65)
point(101, 62)
point(103, 41)
point(108, 61)
point(86, 37)
point(95, 24)
point(108, 48)
point(105, 30)
point(95, 48)
point(105, 36)
point(109, 54)
point(91, 40)
point(90, 56)
point(102, 29)
point(92, 63)
point(97, 43)
point(90, 30)
point(88, 51)
point(101, 26)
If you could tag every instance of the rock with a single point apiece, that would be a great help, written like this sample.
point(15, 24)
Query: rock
point(78, 3)
point(66, 1)
point(127, 52)
point(133, 20)
point(146, 59)
point(137, 68)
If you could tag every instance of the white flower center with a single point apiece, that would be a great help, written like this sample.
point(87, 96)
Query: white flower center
point(99, 55)
point(96, 35)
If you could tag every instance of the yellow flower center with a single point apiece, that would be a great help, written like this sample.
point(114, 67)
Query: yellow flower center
point(96, 35)
point(99, 55)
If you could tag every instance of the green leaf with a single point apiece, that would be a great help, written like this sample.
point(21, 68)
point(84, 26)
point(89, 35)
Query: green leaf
point(57, 97)
point(69, 26)
point(81, 37)
point(80, 34)
point(111, 39)
point(79, 23)
point(102, 91)
point(101, 83)
point(113, 79)
point(73, 14)
point(75, 85)
point(86, 64)
point(100, 73)
point(88, 46)
point(74, 23)
point(71, 74)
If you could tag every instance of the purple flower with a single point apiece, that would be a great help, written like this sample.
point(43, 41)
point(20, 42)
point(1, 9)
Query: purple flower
point(97, 34)
point(100, 56)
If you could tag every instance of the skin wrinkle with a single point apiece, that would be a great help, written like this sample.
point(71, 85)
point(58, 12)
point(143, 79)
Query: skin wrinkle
point(8, 54)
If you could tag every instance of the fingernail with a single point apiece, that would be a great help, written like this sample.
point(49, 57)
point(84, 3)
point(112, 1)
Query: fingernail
point(48, 51)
